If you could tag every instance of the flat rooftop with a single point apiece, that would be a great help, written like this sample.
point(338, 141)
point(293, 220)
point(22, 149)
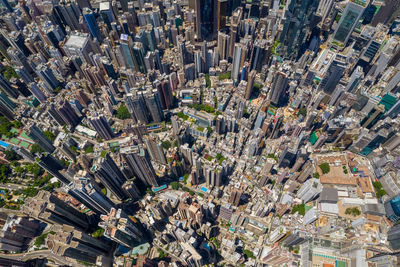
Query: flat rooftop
point(76, 41)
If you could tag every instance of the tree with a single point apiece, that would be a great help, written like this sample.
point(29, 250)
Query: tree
point(9, 73)
point(89, 149)
point(208, 81)
point(175, 185)
point(34, 169)
point(301, 209)
point(5, 125)
point(354, 211)
point(98, 233)
point(123, 112)
point(4, 173)
point(11, 155)
point(50, 135)
point(316, 175)
point(302, 111)
point(325, 168)
point(249, 254)
point(35, 148)
point(166, 144)
point(378, 189)
point(17, 124)
point(150, 192)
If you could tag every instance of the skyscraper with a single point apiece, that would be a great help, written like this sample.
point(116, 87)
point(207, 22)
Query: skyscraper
point(140, 164)
point(40, 139)
point(297, 26)
point(82, 190)
point(279, 85)
point(239, 57)
point(137, 107)
point(236, 194)
point(333, 74)
point(155, 149)
point(153, 104)
point(102, 127)
point(205, 19)
point(68, 242)
point(5, 86)
point(348, 21)
point(110, 176)
point(47, 207)
point(121, 229)
point(67, 113)
point(250, 84)
point(91, 22)
point(223, 45)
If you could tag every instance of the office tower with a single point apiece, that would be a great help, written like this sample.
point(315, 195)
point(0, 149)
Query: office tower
point(354, 80)
point(36, 92)
point(78, 45)
point(240, 110)
point(126, 45)
point(165, 92)
point(131, 189)
point(205, 19)
point(16, 233)
point(82, 190)
point(223, 45)
point(155, 149)
point(393, 236)
point(91, 22)
point(6, 109)
point(373, 116)
point(324, 9)
point(333, 74)
point(17, 41)
point(279, 85)
point(47, 207)
point(139, 163)
point(110, 176)
point(392, 142)
point(102, 127)
point(250, 84)
point(53, 112)
point(222, 10)
point(260, 55)
point(348, 21)
point(259, 120)
point(139, 53)
point(53, 166)
point(121, 229)
point(137, 107)
point(239, 56)
point(233, 31)
point(394, 110)
point(71, 243)
point(106, 13)
point(5, 86)
point(40, 139)
point(67, 113)
point(153, 103)
point(309, 190)
point(236, 194)
point(297, 26)
point(5, 101)
point(47, 75)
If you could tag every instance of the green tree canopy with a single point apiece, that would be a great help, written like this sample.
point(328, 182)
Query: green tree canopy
point(123, 112)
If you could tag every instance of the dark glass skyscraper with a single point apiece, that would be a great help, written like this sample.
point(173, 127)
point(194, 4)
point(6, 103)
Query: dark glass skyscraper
point(205, 26)
point(297, 26)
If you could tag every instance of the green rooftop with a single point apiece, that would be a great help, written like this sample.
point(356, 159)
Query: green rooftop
point(313, 138)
